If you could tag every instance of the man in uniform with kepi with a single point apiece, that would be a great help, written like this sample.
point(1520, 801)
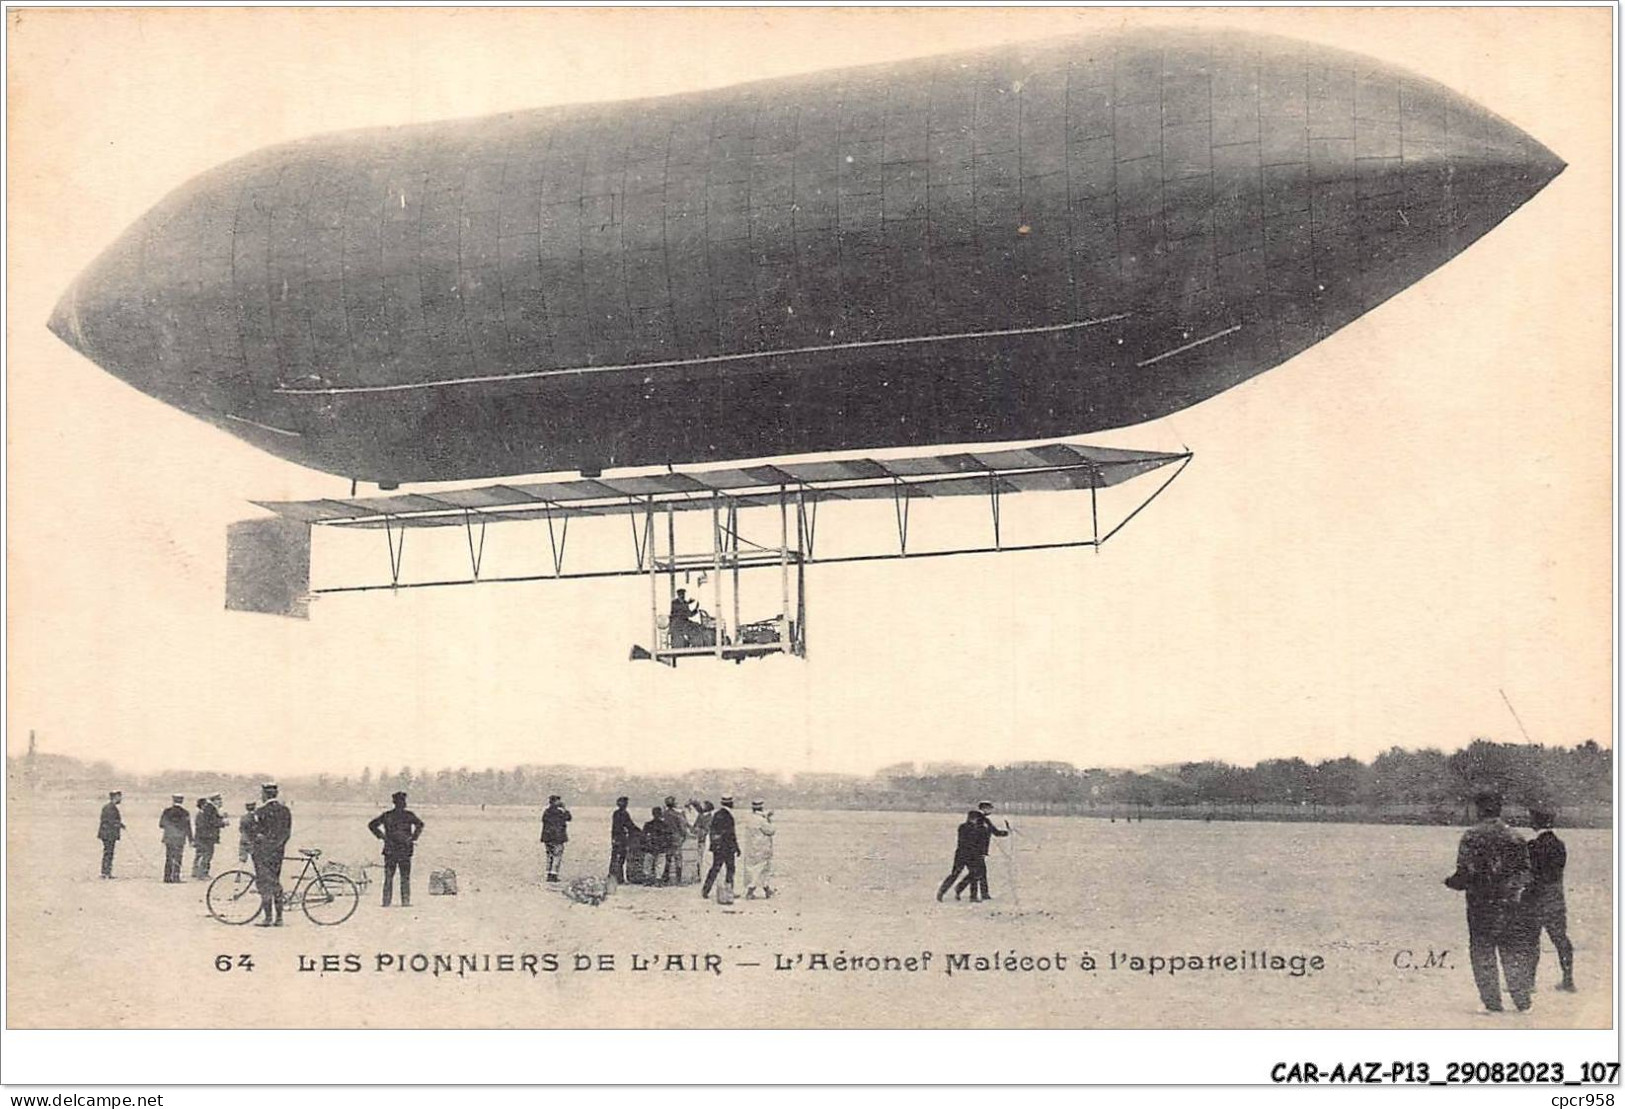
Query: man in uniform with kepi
point(1492, 868)
point(108, 831)
point(399, 828)
point(273, 826)
point(175, 825)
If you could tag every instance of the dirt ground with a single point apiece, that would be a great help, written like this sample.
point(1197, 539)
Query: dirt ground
point(1367, 901)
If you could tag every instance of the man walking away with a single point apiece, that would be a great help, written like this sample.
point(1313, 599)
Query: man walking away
point(1492, 868)
point(759, 859)
point(399, 829)
point(112, 825)
point(621, 827)
point(175, 825)
point(1547, 858)
point(206, 836)
point(724, 846)
point(964, 856)
point(986, 830)
point(245, 832)
point(676, 836)
point(554, 834)
point(273, 827)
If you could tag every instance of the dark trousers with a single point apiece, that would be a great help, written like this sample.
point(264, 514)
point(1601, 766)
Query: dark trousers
point(402, 863)
point(976, 879)
point(107, 857)
point(202, 859)
point(268, 879)
point(674, 867)
point(961, 866)
point(1502, 939)
point(173, 855)
point(1552, 916)
point(719, 861)
point(617, 861)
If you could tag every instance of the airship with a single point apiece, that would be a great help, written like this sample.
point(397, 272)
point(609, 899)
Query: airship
point(1035, 240)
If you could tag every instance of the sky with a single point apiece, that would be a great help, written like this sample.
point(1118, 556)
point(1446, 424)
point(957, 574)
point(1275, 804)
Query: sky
point(1374, 541)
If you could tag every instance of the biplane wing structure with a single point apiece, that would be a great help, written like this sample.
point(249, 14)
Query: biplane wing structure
point(793, 490)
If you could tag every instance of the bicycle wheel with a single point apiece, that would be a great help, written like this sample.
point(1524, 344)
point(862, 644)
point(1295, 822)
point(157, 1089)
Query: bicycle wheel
point(330, 899)
point(232, 898)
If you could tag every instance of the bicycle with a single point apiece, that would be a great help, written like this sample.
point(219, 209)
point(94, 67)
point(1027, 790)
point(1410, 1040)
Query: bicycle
point(327, 898)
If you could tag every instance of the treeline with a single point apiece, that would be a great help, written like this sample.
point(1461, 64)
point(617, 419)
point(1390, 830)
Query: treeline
point(1527, 775)
point(1426, 781)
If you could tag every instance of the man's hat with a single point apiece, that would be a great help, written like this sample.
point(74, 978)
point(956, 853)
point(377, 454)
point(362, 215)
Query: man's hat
point(622, 800)
point(112, 793)
point(269, 787)
point(398, 795)
point(984, 804)
point(551, 797)
point(177, 797)
point(251, 805)
point(214, 797)
point(727, 798)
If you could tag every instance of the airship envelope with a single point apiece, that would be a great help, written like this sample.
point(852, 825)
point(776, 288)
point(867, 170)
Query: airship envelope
point(1042, 239)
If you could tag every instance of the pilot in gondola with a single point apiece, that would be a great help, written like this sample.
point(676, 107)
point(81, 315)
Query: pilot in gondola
point(681, 623)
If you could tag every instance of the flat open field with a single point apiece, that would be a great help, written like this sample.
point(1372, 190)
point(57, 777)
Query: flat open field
point(1368, 901)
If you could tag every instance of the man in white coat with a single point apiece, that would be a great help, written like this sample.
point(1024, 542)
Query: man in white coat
point(758, 851)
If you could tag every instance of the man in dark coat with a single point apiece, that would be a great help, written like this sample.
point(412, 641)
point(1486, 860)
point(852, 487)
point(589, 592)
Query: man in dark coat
point(985, 831)
point(399, 828)
point(676, 835)
point(621, 827)
point(245, 832)
point(724, 846)
point(1492, 868)
point(656, 842)
point(112, 825)
point(965, 854)
point(206, 835)
point(555, 834)
point(273, 827)
point(175, 825)
point(1547, 858)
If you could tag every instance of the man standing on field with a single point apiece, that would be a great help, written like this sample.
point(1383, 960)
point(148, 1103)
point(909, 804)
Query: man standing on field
point(273, 827)
point(399, 828)
point(1492, 868)
point(555, 834)
point(112, 825)
point(175, 826)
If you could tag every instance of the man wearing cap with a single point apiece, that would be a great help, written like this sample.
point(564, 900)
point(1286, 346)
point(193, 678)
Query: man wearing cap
point(399, 828)
point(555, 834)
point(983, 842)
point(1492, 868)
point(245, 832)
point(621, 828)
point(724, 846)
point(273, 827)
point(206, 835)
point(1547, 859)
point(676, 835)
point(109, 830)
point(759, 854)
point(175, 825)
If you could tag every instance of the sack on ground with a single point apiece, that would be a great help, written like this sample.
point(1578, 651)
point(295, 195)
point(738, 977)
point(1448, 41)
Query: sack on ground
point(443, 882)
